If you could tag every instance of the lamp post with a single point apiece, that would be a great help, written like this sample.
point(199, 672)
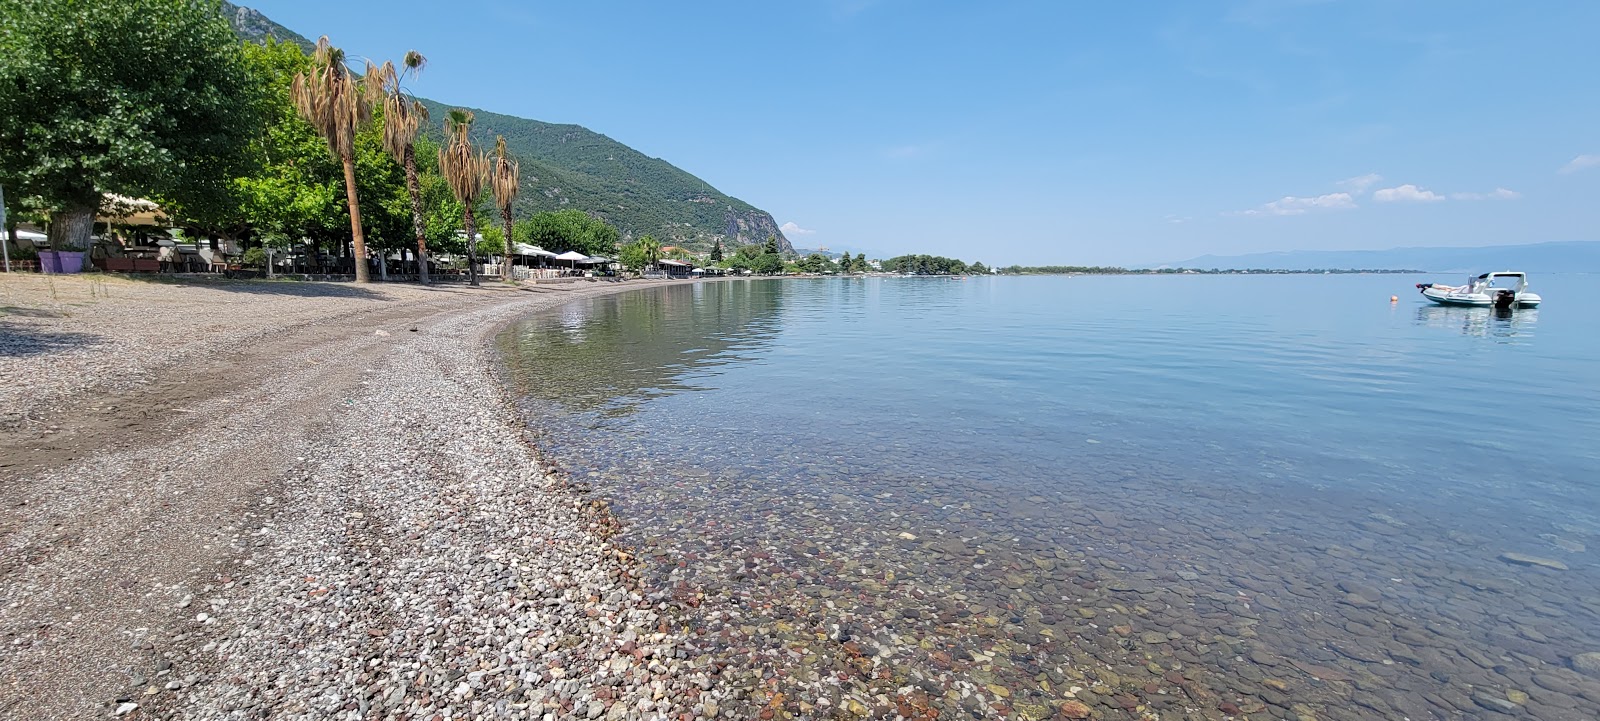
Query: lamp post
point(5, 241)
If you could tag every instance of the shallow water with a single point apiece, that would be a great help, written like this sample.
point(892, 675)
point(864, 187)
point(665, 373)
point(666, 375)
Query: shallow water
point(1177, 497)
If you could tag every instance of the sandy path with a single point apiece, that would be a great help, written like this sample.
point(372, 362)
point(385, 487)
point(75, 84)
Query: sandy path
point(124, 505)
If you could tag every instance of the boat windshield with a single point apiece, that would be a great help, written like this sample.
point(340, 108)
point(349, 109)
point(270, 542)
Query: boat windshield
point(1508, 281)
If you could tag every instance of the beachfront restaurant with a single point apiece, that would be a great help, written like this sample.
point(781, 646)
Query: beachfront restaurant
point(675, 268)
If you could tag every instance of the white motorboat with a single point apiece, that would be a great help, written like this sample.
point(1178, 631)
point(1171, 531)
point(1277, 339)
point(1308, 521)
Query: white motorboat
point(1504, 289)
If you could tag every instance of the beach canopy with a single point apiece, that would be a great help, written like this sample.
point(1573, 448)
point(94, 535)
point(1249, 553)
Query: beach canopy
point(572, 255)
point(123, 210)
point(534, 250)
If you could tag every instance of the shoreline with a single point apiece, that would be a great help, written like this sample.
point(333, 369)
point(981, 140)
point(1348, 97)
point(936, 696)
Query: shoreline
point(360, 530)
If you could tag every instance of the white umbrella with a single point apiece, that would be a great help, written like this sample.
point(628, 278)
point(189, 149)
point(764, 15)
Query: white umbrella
point(572, 255)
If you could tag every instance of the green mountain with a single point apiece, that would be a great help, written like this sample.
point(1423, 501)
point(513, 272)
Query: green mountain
point(570, 166)
point(250, 24)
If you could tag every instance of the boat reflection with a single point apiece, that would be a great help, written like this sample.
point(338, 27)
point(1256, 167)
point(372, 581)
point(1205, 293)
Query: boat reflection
point(1500, 323)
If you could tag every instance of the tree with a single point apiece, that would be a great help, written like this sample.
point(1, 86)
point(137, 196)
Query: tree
point(292, 189)
point(814, 263)
point(337, 104)
point(136, 97)
point(767, 263)
point(504, 179)
point(632, 256)
point(650, 248)
point(860, 263)
point(403, 116)
point(772, 244)
point(716, 252)
point(465, 172)
point(563, 230)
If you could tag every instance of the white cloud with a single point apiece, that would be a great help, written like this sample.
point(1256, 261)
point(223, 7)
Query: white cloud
point(1407, 193)
point(1360, 183)
point(1581, 162)
point(791, 228)
point(1496, 194)
point(1291, 205)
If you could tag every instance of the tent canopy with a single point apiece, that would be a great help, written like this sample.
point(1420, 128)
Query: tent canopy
point(123, 210)
point(534, 250)
point(572, 255)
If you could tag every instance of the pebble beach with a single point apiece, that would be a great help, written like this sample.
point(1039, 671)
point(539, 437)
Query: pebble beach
point(352, 527)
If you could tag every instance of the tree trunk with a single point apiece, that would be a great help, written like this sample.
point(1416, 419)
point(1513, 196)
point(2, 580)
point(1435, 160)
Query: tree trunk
point(472, 249)
point(383, 265)
point(71, 229)
point(358, 240)
point(505, 266)
point(417, 223)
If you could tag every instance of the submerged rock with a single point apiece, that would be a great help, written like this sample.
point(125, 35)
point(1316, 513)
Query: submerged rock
point(1587, 664)
point(1523, 559)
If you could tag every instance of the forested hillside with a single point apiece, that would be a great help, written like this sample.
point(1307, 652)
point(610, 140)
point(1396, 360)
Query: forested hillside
point(572, 167)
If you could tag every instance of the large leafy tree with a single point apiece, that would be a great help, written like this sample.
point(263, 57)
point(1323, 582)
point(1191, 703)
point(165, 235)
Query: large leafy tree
point(464, 169)
point(403, 116)
point(292, 188)
point(504, 179)
point(338, 104)
point(142, 98)
point(559, 231)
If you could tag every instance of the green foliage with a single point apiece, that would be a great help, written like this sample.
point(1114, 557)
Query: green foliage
point(815, 263)
point(771, 245)
point(254, 257)
point(925, 265)
point(22, 252)
point(767, 264)
point(632, 256)
point(296, 188)
point(146, 98)
point(978, 268)
point(716, 252)
point(564, 230)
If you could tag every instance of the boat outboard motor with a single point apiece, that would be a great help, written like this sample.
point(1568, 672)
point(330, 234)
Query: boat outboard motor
point(1504, 299)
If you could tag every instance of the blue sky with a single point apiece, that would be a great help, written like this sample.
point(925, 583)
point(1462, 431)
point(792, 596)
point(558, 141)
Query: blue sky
point(1056, 132)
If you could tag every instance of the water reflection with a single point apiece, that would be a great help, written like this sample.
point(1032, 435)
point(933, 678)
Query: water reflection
point(1502, 323)
point(609, 354)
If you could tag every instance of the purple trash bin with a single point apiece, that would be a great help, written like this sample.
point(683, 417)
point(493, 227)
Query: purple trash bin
point(70, 261)
point(49, 261)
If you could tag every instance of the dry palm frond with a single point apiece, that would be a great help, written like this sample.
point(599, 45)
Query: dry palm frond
point(464, 170)
point(504, 176)
point(402, 115)
point(332, 99)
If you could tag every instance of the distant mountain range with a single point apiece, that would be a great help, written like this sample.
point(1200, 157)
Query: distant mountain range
point(569, 166)
point(1568, 257)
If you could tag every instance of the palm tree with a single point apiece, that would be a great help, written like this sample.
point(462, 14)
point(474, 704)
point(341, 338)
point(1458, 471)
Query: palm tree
point(403, 115)
point(464, 171)
point(504, 180)
point(336, 104)
point(651, 248)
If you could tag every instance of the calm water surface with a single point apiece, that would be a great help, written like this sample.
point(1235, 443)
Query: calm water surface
point(1170, 497)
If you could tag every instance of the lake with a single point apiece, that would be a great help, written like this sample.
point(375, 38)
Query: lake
point(1172, 496)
